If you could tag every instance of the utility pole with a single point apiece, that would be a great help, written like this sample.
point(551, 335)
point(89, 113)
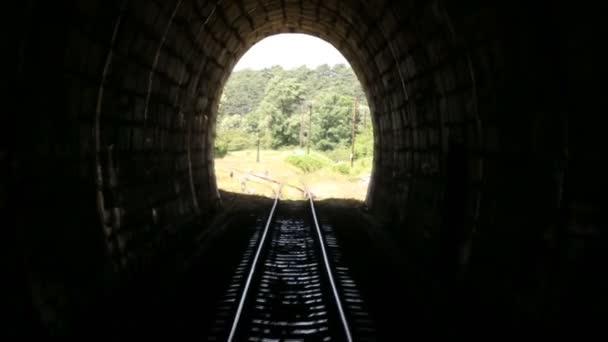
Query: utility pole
point(302, 129)
point(309, 127)
point(257, 159)
point(354, 131)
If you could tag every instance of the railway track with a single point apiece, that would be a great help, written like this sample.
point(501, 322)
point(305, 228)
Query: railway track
point(292, 284)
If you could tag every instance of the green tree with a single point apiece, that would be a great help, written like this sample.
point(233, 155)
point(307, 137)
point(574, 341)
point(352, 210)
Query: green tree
point(268, 103)
point(332, 119)
point(276, 113)
point(243, 92)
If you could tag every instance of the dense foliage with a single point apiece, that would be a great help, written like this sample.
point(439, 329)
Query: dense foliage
point(309, 162)
point(280, 107)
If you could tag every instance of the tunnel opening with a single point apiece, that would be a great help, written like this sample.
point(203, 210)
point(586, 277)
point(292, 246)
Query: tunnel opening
point(294, 113)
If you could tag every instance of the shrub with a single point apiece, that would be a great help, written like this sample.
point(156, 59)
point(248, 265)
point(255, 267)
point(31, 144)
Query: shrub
point(235, 140)
point(220, 150)
point(364, 145)
point(309, 162)
point(339, 154)
point(362, 166)
point(342, 168)
point(239, 142)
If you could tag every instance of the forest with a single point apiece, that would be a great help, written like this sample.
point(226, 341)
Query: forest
point(280, 108)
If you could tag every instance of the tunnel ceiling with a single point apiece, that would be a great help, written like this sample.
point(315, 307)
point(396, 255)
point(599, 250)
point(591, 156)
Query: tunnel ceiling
point(119, 100)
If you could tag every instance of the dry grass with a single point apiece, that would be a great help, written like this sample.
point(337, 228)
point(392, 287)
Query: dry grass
point(323, 183)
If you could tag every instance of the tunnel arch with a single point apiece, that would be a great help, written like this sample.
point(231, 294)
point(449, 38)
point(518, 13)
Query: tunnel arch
point(117, 102)
point(230, 29)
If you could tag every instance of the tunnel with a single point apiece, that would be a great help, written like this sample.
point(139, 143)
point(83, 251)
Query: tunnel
point(487, 165)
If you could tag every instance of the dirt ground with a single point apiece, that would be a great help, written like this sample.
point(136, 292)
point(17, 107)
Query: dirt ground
point(239, 172)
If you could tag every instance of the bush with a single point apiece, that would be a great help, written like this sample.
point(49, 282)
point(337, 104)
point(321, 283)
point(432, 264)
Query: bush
point(235, 140)
point(239, 142)
point(364, 145)
point(309, 162)
point(342, 168)
point(364, 148)
point(339, 154)
point(220, 150)
point(362, 166)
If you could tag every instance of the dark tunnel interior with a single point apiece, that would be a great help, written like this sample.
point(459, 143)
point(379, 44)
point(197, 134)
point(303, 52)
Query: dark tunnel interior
point(487, 172)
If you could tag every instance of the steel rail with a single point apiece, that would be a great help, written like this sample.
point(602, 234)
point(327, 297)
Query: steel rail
point(303, 191)
point(329, 273)
point(239, 310)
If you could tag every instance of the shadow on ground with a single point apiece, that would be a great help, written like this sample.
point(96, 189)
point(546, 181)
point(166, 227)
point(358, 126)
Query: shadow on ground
point(181, 301)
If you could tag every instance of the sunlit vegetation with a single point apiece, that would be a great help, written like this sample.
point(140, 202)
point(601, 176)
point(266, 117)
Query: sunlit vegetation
point(309, 162)
point(309, 114)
